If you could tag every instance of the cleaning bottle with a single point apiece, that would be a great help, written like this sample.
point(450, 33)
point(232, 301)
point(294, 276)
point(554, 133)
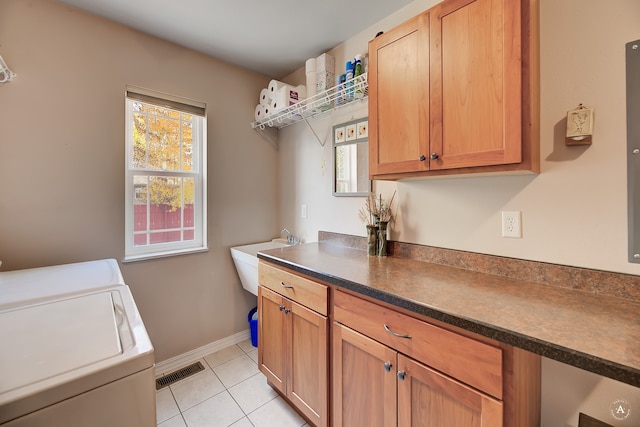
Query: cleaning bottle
point(357, 72)
point(349, 81)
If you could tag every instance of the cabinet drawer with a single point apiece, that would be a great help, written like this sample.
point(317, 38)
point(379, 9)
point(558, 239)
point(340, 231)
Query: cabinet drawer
point(472, 362)
point(303, 291)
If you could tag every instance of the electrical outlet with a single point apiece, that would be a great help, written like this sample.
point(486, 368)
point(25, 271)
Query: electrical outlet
point(512, 224)
point(303, 211)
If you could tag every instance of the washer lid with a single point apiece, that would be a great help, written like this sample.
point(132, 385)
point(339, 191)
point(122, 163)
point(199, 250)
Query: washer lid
point(45, 340)
point(21, 287)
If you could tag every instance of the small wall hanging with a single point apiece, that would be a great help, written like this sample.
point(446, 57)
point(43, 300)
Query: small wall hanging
point(579, 126)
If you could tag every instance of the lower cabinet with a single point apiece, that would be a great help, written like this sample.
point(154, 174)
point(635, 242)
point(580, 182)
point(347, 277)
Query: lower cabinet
point(293, 350)
point(375, 385)
point(390, 369)
point(364, 386)
point(429, 398)
point(387, 368)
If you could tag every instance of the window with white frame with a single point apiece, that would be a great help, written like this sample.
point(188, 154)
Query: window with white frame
point(165, 175)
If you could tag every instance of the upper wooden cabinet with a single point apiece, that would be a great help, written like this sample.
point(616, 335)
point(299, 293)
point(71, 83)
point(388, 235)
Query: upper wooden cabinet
point(455, 91)
point(399, 99)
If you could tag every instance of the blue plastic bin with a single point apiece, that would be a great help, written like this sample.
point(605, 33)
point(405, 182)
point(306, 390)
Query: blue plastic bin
point(252, 317)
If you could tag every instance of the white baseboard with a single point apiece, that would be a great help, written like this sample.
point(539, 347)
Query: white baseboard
point(177, 362)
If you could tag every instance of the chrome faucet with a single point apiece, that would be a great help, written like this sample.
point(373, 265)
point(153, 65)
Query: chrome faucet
point(291, 239)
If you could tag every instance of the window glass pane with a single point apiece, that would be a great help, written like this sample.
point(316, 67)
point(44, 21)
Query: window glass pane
point(165, 195)
point(140, 239)
point(164, 143)
point(187, 142)
point(189, 191)
point(162, 111)
point(139, 140)
point(140, 209)
point(164, 237)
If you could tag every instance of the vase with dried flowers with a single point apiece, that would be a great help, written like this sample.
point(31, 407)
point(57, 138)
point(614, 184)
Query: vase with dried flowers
point(385, 216)
point(376, 215)
point(382, 238)
point(372, 240)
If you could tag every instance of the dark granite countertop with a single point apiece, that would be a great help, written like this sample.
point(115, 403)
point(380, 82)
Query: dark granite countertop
point(597, 333)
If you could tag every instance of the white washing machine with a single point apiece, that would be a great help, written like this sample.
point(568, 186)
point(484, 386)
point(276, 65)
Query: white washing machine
point(73, 349)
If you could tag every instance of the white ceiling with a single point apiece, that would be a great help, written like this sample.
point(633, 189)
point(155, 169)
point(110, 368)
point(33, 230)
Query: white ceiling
point(271, 37)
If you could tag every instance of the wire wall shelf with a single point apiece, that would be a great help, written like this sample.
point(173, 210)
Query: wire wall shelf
point(331, 99)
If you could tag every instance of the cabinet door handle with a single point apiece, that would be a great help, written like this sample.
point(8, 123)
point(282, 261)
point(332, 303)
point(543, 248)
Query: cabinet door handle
point(434, 156)
point(287, 310)
point(387, 366)
point(286, 286)
point(395, 334)
point(422, 158)
point(281, 307)
point(401, 375)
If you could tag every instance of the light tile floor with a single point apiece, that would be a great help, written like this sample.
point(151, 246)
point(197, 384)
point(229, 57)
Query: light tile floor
point(231, 391)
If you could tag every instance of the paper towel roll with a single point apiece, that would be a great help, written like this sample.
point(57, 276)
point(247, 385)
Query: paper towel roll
point(260, 112)
point(264, 96)
point(276, 105)
point(274, 86)
point(286, 96)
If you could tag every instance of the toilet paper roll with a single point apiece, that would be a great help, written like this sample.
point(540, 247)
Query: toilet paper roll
point(310, 66)
point(260, 112)
point(311, 84)
point(264, 96)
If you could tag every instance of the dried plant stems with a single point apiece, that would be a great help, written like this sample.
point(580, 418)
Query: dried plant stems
point(376, 209)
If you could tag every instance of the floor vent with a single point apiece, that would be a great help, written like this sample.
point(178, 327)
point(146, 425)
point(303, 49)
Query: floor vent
point(178, 375)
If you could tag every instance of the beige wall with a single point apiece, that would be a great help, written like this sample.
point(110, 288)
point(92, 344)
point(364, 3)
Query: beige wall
point(574, 212)
point(62, 164)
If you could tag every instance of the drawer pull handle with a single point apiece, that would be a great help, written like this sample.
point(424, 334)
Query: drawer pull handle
point(395, 334)
point(286, 286)
point(387, 366)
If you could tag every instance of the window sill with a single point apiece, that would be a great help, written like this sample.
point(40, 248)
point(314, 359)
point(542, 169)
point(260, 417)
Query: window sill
point(155, 255)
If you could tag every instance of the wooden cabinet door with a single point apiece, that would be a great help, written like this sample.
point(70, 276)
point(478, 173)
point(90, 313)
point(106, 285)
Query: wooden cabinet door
point(307, 364)
point(364, 392)
point(272, 342)
point(476, 83)
point(428, 398)
point(399, 99)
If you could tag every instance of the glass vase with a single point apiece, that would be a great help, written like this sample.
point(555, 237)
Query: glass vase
point(382, 238)
point(372, 240)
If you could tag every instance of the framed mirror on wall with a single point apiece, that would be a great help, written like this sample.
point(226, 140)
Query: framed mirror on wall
point(350, 152)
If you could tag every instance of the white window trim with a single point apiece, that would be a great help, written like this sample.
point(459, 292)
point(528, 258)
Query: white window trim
point(159, 250)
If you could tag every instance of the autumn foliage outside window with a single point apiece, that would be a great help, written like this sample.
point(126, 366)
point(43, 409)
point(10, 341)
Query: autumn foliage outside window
point(165, 178)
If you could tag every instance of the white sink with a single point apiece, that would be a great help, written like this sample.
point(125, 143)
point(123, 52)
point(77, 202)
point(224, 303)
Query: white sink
point(246, 260)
